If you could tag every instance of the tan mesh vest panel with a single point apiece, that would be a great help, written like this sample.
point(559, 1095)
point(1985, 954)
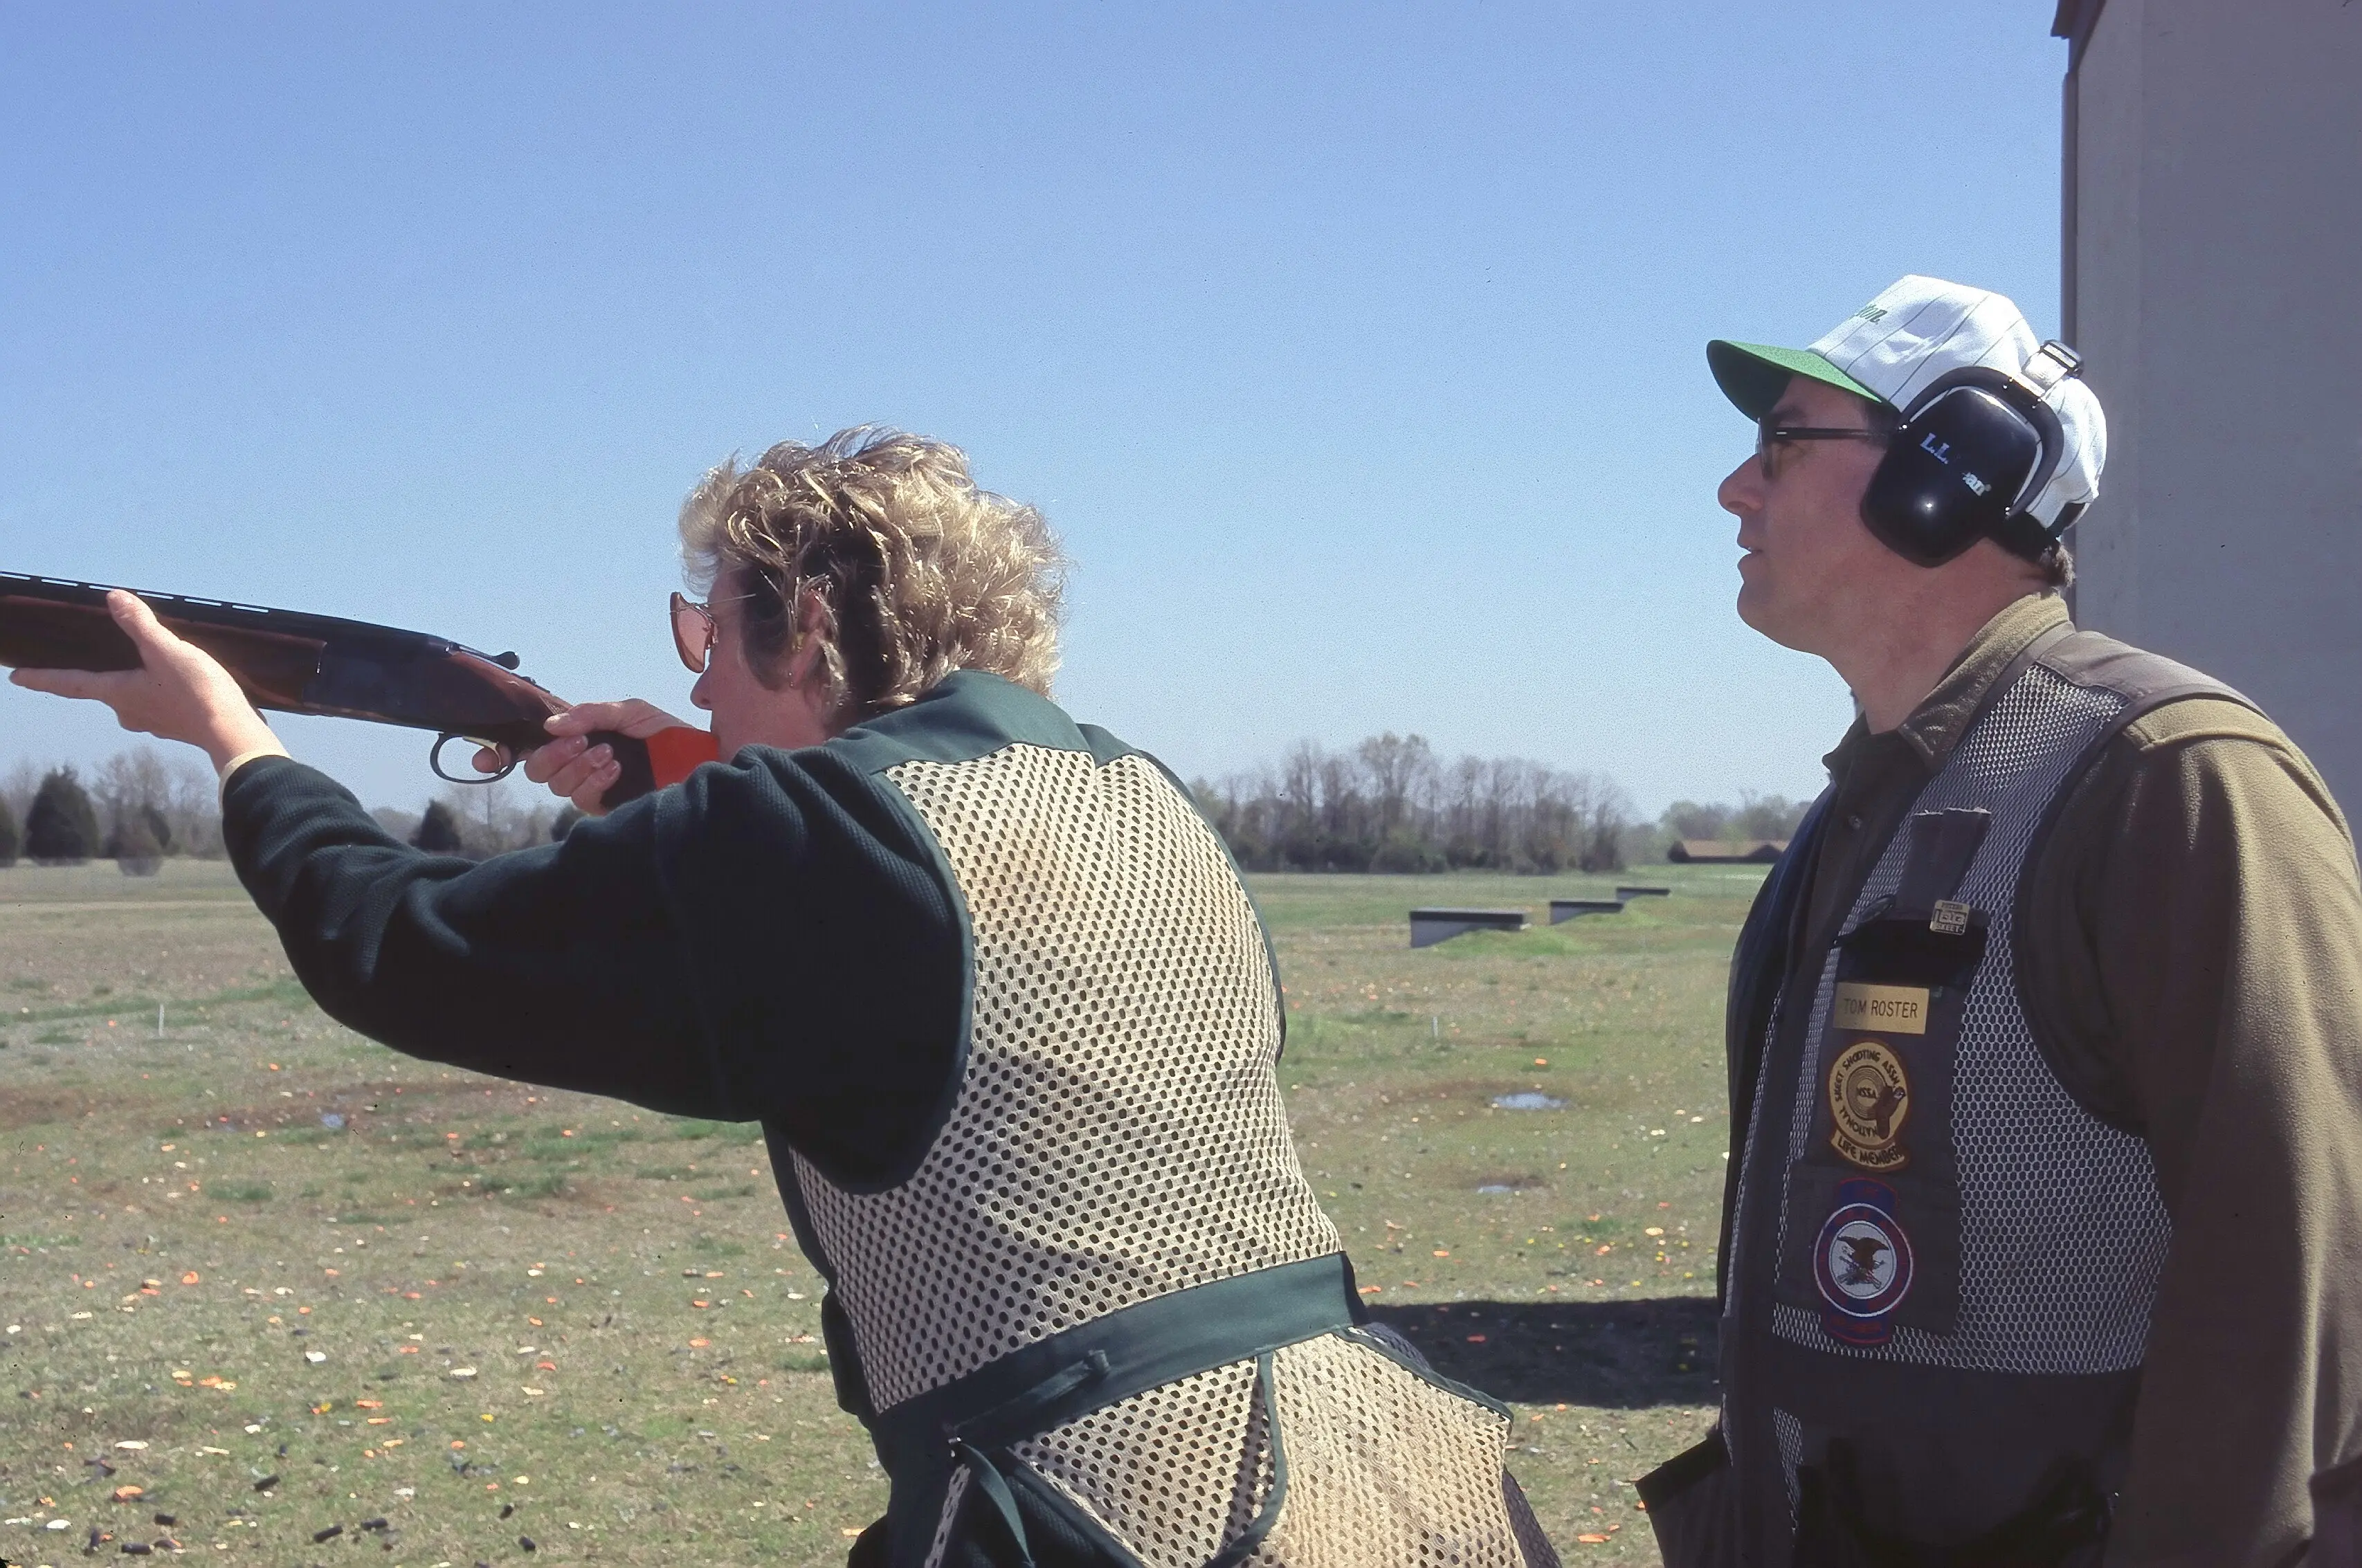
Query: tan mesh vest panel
point(1118, 1135)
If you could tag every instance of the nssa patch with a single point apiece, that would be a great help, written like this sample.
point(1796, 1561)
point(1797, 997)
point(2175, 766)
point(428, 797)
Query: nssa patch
point(1862, 1264)
point(1869, 1094)
point(1892, 1009)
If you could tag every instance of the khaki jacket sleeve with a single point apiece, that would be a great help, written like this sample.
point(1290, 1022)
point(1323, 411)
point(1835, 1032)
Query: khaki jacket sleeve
point(2195, 936)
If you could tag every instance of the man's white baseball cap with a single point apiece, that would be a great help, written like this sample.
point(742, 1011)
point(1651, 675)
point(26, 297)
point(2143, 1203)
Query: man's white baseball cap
point(1909, 337)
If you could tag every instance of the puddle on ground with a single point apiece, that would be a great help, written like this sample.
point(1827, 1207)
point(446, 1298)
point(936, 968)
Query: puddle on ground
point(1528, 1101)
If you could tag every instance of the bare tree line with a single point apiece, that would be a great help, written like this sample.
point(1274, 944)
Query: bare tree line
point(1392, 804)
point(1756, 817)
point(1387, 804)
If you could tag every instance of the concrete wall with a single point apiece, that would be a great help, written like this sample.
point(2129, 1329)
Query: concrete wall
point(2214, 288)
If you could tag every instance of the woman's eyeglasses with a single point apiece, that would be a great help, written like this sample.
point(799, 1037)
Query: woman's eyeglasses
point(693, 630)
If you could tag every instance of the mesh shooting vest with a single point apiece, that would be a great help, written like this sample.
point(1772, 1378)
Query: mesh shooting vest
point(1943, 1257)
point(1107, 1285)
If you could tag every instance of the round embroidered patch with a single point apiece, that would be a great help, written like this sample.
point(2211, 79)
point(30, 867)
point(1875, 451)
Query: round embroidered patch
point(1862, 1262)
point(1869, 1096)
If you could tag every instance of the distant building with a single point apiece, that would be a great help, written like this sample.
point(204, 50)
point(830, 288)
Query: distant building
point(1718, 852)
point(2212, 242)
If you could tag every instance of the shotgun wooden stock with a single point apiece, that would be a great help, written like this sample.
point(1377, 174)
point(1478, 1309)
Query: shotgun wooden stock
point(293, 663)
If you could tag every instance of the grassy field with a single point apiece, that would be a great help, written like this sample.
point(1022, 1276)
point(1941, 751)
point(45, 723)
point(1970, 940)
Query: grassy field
point(263, 1280)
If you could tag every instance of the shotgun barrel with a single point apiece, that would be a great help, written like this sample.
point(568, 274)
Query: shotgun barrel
point(292, 662)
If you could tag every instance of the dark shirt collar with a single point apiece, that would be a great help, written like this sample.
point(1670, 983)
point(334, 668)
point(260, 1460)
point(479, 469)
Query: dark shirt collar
point(1936, 726)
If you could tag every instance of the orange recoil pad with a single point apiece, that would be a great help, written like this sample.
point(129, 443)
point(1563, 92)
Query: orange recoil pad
point(676, 752)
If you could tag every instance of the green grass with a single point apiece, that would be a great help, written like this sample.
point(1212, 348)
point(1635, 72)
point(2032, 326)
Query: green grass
point(685, 1413)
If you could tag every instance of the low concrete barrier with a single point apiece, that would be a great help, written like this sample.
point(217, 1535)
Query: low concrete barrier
point(1430, 926)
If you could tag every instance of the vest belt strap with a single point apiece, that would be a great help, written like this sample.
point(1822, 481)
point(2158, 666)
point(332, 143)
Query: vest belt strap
point(1050, 1381)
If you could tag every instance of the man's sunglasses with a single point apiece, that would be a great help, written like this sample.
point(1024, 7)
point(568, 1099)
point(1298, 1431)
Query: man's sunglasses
point(1769, 438)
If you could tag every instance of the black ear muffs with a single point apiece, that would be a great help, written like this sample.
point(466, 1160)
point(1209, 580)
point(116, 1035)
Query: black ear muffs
point(1975, 448)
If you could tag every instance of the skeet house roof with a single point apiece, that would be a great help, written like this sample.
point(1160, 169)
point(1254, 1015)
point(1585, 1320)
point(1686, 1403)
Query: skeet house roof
point(2073, 18)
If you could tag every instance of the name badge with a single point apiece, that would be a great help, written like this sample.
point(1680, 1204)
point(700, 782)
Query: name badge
point(1889, 1010)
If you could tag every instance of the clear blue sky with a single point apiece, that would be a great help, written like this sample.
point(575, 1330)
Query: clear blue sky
point(1356, 352)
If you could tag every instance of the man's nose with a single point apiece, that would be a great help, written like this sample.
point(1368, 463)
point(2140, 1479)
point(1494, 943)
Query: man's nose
point(697, 693)
point(1742, 491)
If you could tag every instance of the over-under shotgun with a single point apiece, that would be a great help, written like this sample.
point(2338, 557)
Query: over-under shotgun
point(295, 663)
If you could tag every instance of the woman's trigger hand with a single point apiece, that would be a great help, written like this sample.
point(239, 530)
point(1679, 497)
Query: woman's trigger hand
point(630, 716)
point(580, 772)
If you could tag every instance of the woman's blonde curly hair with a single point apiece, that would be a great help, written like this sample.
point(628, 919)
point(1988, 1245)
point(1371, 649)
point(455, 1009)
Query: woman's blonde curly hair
point(913, 572)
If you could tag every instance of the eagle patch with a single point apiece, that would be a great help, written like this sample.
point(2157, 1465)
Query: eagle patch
point(1862, 1263)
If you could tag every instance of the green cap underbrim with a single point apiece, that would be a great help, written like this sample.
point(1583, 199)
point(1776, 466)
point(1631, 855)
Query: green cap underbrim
point(1753, 375)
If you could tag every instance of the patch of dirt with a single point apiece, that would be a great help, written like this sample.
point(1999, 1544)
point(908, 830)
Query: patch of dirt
point(35, 1106)
point(366, 1101)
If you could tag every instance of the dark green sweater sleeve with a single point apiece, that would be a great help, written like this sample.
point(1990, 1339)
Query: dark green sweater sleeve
point(770, 939)
point(2197, 937)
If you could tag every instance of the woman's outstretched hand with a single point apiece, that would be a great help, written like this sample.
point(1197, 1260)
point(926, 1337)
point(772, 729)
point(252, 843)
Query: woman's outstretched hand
point(180, 692)
point(575, 769)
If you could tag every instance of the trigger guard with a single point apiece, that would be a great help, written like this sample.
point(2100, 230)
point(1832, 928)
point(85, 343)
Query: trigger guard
point(434, 762)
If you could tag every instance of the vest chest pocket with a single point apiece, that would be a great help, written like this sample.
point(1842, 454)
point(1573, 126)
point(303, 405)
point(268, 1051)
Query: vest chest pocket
point(1872, 1232)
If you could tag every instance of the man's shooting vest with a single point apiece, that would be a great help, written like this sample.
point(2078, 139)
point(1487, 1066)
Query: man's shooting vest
point(1946, 1240)
point(1105, 1296)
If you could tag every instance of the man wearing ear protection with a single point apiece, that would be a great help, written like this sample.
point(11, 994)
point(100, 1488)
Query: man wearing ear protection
point(2042, 1236)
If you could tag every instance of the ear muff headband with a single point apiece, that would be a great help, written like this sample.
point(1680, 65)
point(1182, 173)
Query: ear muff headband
point(1975, 450)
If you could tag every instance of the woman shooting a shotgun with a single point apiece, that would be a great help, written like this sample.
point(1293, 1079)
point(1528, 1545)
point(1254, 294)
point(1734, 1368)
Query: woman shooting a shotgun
point(993, 988)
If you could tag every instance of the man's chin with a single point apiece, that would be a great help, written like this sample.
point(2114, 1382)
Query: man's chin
point(1759, 615)
point(1750, 603)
